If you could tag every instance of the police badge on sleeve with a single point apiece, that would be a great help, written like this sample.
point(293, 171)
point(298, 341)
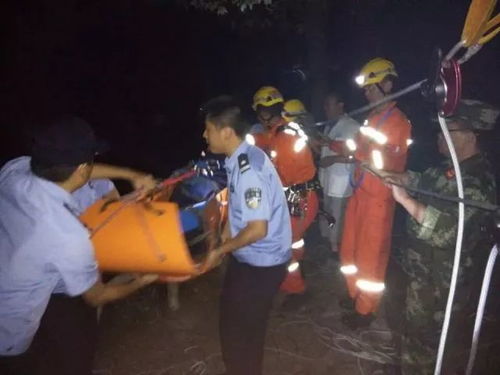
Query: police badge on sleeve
point(253, 196)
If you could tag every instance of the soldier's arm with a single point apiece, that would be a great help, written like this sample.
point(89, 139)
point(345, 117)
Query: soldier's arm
point(409, 178)
point(438, 225)
point(412, 179)
point(414, 208)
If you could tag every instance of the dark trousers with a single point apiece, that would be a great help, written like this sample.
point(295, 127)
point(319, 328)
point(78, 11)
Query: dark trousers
point(246, 301)
point(64, 344)
point(17, 365)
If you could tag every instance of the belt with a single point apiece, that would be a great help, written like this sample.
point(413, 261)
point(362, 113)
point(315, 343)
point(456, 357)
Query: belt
point(309, 185)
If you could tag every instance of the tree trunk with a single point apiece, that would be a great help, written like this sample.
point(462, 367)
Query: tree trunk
point(315, 26)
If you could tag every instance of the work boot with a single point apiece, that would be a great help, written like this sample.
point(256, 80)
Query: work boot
point(347, 303)
point(294, 282)
point(356, 321)
point(294, 302)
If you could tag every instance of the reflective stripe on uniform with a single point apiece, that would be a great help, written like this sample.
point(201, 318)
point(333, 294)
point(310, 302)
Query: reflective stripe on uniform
point(377, 159)
point(374, 134)
point(300, 144)
point(351, 144)
point(294, 266)
point(349, 269)
point(370, 286)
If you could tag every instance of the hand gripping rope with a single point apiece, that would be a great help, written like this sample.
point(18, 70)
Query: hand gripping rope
point(443, 87)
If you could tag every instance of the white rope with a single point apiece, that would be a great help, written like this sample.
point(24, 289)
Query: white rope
point(458, 247)
point(471, 51)
point(454, 51)
point(480, 308)
point(356, 347)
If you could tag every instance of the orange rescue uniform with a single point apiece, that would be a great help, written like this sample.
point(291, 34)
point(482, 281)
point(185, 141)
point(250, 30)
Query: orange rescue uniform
point(294, 163)
point(383, 141)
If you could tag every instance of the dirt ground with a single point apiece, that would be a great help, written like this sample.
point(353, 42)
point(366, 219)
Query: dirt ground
point(141, 336)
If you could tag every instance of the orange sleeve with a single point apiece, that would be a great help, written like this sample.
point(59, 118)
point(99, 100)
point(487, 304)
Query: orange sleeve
point(398, 132)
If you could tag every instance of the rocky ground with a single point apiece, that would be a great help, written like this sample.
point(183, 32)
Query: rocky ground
point(141, 336)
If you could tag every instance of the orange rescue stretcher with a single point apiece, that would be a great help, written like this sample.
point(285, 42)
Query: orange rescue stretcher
point(146, 236)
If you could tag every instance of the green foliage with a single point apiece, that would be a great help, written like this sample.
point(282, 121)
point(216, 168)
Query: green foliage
point(221, 7)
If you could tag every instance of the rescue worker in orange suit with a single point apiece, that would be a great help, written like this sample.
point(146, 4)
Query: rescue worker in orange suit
point(381, 143)
point(286, 144)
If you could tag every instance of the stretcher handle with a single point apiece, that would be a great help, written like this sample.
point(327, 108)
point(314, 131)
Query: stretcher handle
point(126, 202)
point(495, 21)
point(106, 204)
point(477, 22)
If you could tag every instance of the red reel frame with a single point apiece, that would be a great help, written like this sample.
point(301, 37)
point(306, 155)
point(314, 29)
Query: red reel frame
point(443, 86)
point(451, 82)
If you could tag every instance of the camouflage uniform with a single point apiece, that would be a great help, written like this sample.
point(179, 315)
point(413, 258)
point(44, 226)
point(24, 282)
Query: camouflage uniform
point(430, 249)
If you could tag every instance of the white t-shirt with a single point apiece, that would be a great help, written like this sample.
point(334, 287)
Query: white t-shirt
point(335, 178)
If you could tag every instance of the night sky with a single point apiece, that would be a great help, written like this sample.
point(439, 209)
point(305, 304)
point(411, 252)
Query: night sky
point(138, 70)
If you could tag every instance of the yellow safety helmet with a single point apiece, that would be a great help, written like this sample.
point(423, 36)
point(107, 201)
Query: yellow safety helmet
point(267, 96)
point(375, 71)
point(292, 109)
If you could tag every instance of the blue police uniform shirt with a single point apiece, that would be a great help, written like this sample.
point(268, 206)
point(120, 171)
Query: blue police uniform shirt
point(257, 128)
point(43, 249)
point(256, 193)
point(91, 192)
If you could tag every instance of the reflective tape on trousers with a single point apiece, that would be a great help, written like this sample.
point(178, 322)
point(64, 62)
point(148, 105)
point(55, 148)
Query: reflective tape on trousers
point(370, 286)
point(292, 267)
point(349, 269)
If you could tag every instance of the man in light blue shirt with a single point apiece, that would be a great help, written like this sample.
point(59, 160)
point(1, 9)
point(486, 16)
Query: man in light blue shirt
point(46, 257)
point(258, 237)
point(256, 194)
point(94, 190)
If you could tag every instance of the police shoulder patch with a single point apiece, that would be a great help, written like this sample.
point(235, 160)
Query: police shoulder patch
point(253, 197)
point(243, 163)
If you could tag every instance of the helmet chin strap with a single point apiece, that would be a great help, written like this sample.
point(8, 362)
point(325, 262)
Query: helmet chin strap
point(380, 88)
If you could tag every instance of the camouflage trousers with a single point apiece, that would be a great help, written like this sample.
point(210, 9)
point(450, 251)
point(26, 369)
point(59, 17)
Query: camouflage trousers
point(427, 293)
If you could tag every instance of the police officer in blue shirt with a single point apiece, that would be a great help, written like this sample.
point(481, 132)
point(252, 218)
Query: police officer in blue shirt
point(49, 279)
point(257, 237)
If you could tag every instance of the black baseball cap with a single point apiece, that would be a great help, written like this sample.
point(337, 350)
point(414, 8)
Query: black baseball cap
point(67, 141)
